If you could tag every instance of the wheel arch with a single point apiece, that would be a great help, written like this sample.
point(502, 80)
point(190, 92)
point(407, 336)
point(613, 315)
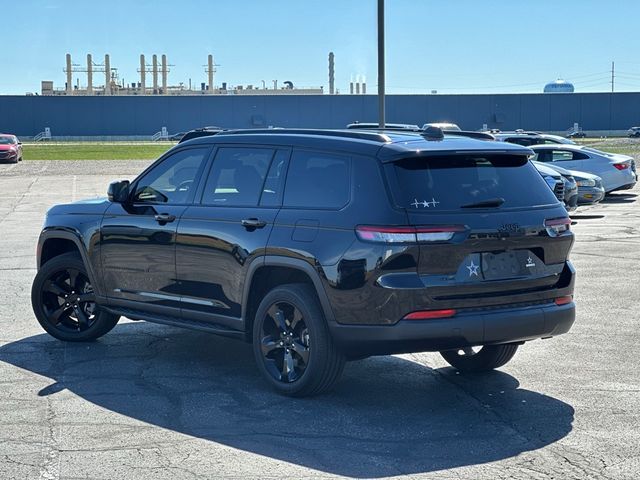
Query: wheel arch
point(272, 271)
point(53, 243)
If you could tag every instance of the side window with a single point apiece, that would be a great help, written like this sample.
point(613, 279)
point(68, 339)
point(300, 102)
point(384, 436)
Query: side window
point(318, 180)
point(562, 156)
point(580, 156)
point(173, 180)
point(237, 176)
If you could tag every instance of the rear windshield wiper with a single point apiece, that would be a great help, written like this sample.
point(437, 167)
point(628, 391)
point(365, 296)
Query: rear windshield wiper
point(489, 203)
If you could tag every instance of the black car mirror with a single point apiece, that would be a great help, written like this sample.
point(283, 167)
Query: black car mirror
point(118, 192)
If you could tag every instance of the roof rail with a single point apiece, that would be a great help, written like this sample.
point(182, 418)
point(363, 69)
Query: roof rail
point(471, 134)
point(357, 134)
point(396, 127)
point(200, 132)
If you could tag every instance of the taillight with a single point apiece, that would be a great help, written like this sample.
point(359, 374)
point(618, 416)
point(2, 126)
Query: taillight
point(430, 314)
point(564, 300)
point(439, 233)
point(622, 166)
point(557, 226)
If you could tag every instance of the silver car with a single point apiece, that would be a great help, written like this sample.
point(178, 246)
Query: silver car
point(618, 172)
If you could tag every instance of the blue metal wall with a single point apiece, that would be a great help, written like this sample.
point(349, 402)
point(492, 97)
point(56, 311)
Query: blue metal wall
point(77, 116)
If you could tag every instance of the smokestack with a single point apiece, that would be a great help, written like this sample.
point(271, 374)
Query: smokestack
point(143, 85)
point(357, 84)
point(155, 74)
point(89, 75)
point(210, 72)
point(331, 74)
point(107, 75)
point(69, 76)
point(364, 85)
point(351, 86)
point(164, 74)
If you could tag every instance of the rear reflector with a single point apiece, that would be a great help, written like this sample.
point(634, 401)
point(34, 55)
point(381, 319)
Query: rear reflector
point(622, 166)
point(435, 233)
point(564, 300)
point(430, 314)
point(557, 226)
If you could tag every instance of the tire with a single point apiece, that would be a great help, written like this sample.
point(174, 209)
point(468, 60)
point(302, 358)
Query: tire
point(64, 303)
point(292, 345)
point(485, 359)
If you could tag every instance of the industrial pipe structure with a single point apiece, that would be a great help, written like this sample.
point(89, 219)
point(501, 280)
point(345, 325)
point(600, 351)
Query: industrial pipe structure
point(89, 75)
point(69, 75)
point(155, 74)
point(164, 74)
point(210, 73)
point(143, 67)
point(107, 75)
point(331, 74)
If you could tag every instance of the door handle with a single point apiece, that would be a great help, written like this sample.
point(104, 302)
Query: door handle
point(163, 218)
point(253, 223)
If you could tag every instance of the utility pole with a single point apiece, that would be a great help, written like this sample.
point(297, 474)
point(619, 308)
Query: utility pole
point(613, 76)
point(381, 73)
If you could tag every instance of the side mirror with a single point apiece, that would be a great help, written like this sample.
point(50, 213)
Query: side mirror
point(118, 192)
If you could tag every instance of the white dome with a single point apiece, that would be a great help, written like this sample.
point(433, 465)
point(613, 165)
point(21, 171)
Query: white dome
point(559, 86)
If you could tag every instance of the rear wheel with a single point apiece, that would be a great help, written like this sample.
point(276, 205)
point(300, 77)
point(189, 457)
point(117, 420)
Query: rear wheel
point(64, 301)
point(480, 359)
point(292, 344)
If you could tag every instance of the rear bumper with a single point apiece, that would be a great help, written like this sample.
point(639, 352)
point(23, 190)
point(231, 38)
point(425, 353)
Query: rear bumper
point(465, 329)
point(627, 186)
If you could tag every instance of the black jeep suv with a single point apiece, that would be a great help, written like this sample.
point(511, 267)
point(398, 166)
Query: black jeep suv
point(318, 247)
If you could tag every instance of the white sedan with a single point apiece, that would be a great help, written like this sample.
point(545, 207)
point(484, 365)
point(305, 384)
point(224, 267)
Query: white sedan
point(618, 172)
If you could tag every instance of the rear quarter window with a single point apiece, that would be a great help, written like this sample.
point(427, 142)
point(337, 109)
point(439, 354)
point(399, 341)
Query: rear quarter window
point(448, 182)
point(318, 180)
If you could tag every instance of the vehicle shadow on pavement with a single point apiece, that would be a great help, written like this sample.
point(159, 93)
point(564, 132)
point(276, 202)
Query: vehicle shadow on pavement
point(387, 416)
point(620, 198)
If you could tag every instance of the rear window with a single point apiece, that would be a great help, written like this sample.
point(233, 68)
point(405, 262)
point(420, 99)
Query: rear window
point(449, 182)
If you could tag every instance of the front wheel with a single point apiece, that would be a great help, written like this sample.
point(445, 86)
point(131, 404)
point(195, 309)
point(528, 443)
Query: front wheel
point(480, 359)
point(63, 300)
point(292, 344)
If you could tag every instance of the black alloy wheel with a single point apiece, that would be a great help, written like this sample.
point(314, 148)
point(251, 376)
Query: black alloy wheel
point(64, 301)
point(292, 344)
point(68, 300)
point(285, 342)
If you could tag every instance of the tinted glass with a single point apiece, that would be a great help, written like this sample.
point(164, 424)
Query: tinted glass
point(317, 180)
point(173, 180)
point(448, 182)
point(524, 141)
point(562, 156)
point(237, 176)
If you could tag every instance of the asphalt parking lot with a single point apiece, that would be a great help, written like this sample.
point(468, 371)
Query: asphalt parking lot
point(151, 401)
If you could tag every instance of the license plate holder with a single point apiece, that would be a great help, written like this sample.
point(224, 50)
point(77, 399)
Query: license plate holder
point(504, 265)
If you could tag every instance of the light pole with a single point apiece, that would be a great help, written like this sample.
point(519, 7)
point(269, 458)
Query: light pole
point(381, 86)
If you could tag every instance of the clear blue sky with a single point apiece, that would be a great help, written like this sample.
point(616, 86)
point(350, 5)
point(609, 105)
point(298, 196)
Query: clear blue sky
point(453, 46)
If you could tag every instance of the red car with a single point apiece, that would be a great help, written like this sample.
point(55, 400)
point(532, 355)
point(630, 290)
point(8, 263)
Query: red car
point(10, 148)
